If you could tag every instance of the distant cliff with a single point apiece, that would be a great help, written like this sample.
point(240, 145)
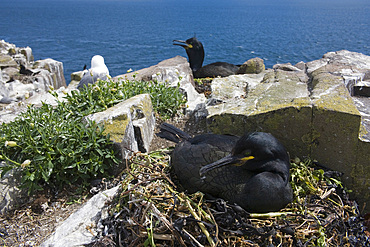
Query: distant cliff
point(21, 77)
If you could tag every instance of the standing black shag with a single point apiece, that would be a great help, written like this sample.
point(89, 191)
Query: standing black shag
point(195, 51)
point(251, 171)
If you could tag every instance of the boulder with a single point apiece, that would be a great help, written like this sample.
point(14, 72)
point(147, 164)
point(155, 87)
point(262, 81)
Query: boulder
point(7, 61)
point(19, 90)
point(234, 86)
point(10, 73)
point(11, 109)
point(335, 124)
point(174, 71)
point(286, 67)
point(79, 228)
point(27, 53)
point(76, 78)
point(354, 69)
point(21, 55)
point(300, 65)
point(342, 63)
point(54, 78)
point(130, 125)
point(280, 106)
point(252, 66)
point(10, 193)
point(48, 98)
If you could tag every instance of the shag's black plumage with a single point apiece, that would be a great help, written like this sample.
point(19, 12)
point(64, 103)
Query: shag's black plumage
point(251, 171)
point(195, 51)
point(24, 71)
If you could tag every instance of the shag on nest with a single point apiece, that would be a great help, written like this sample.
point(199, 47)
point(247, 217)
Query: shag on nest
point(195, 51)
point(251, 171)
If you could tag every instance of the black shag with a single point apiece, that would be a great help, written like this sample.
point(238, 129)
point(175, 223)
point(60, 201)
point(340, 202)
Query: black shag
point(24, 71)
point(195, 51)
point(251, 171)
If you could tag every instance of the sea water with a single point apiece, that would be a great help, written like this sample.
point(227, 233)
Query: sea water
point(134, 34)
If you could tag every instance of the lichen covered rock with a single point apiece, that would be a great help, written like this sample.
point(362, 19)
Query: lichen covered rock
point(130, 124)
point(281, 107)
point(252, 66)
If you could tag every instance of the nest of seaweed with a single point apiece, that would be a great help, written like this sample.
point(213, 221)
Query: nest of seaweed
point(152, 211)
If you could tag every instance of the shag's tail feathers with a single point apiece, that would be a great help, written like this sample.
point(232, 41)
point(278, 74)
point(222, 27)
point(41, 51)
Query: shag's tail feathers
point(171, 133)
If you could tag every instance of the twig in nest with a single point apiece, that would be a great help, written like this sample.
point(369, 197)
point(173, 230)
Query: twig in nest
point(192, 238)
point(160, 216)
point(201, 225)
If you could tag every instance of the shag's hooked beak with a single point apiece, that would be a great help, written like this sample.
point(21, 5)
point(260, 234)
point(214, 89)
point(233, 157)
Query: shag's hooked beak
point(183, 44)
point(228, 160)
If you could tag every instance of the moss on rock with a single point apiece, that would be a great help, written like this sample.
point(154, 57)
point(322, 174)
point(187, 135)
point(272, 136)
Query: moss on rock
point(7, 61)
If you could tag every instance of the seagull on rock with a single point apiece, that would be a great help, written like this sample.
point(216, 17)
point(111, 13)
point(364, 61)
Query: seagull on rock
point(97, 71)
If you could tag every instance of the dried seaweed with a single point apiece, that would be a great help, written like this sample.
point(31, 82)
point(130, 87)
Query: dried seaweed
point(152, 211)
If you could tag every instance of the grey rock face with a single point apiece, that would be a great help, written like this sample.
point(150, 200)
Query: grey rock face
point(74, 230)
point(354, 69)
point(10, 193)
point(7, 61)
point(54, 78)
point(17, 86)
point(234, 86)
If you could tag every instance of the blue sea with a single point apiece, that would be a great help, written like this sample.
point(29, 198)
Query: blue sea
point(138, 33)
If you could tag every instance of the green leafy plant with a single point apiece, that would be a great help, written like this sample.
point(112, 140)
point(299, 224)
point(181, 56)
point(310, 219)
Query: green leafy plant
point(55, 146)
point(52, 148)
point(305, 180)
point(104, 94)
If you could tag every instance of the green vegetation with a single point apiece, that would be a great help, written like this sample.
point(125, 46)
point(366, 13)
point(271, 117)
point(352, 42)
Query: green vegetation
point(56, 146)
point(104, 94)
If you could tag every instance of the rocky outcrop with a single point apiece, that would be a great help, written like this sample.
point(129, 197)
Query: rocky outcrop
point(10, 111)
point(312, 111)
point(51, 74)
point(312, 108)
point(17, 84)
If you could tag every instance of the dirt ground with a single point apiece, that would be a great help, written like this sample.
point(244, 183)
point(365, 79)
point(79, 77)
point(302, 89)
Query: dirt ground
point(33, 222)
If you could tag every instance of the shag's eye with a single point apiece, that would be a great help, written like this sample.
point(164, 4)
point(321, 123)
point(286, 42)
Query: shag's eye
point(247, 152)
